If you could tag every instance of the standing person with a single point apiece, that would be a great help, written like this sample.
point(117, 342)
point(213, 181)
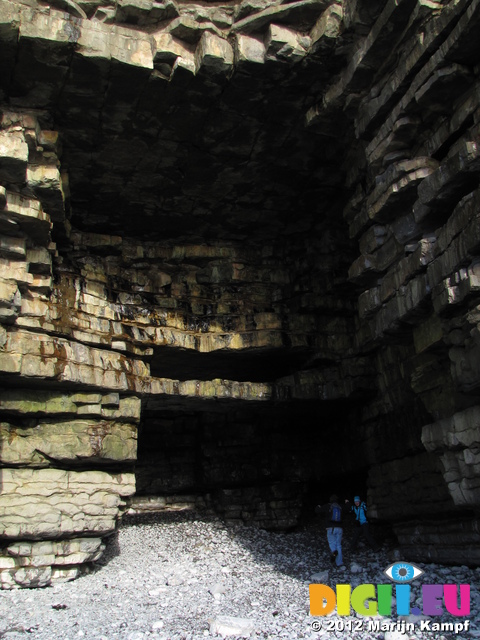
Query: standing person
point(359, 509)
point(333, 514)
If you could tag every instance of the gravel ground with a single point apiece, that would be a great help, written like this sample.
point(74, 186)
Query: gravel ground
point(186, 576)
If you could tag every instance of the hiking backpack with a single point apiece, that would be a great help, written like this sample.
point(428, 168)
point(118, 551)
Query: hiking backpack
point(335, 512)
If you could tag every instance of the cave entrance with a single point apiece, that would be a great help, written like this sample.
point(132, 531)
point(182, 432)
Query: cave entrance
point(251, 462)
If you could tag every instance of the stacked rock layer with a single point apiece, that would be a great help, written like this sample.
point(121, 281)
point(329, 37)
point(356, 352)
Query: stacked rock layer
point(246, 237)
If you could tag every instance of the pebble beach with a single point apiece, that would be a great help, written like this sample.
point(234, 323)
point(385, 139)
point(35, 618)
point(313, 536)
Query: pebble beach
point(187, 576)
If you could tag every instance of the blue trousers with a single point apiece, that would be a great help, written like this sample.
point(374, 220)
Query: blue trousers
point(334, 537)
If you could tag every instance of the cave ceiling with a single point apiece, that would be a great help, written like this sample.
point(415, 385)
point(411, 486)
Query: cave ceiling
point(152, 149)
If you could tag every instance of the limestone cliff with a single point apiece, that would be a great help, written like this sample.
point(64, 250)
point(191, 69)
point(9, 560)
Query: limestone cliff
point(239, 234)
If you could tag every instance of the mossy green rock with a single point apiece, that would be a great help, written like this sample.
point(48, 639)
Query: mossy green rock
point(75, 442)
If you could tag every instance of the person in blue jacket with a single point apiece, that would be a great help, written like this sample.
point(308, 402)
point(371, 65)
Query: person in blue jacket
point(333, 512)
point(359, 509)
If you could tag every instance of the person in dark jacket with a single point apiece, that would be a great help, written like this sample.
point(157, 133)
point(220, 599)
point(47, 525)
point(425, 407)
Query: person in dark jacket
point(359, 509)
point(333, 513)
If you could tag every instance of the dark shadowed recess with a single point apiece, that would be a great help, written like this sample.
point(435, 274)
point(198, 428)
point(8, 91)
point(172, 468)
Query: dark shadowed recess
point(259, 365)
point(213, 446)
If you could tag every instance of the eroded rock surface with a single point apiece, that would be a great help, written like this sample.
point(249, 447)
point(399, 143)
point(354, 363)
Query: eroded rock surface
point(244, 236)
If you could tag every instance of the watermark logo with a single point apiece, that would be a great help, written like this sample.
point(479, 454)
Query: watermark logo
point(377, 600)
point(403, 572)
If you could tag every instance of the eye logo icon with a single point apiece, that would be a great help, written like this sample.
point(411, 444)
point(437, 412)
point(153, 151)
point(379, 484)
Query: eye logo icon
point(403, 572)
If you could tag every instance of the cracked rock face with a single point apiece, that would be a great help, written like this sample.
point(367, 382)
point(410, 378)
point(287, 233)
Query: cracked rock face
point(234, 239)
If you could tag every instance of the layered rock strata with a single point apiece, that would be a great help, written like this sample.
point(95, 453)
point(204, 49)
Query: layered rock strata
point(245, 236)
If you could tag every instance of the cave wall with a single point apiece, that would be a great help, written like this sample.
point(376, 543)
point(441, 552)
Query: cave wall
point(240, 236)
point(420, 126)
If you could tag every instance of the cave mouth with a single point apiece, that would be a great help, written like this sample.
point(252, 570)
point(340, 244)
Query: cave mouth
point(261, 464)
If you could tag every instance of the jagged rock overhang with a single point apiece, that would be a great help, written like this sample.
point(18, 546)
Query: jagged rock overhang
point(180, 139)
